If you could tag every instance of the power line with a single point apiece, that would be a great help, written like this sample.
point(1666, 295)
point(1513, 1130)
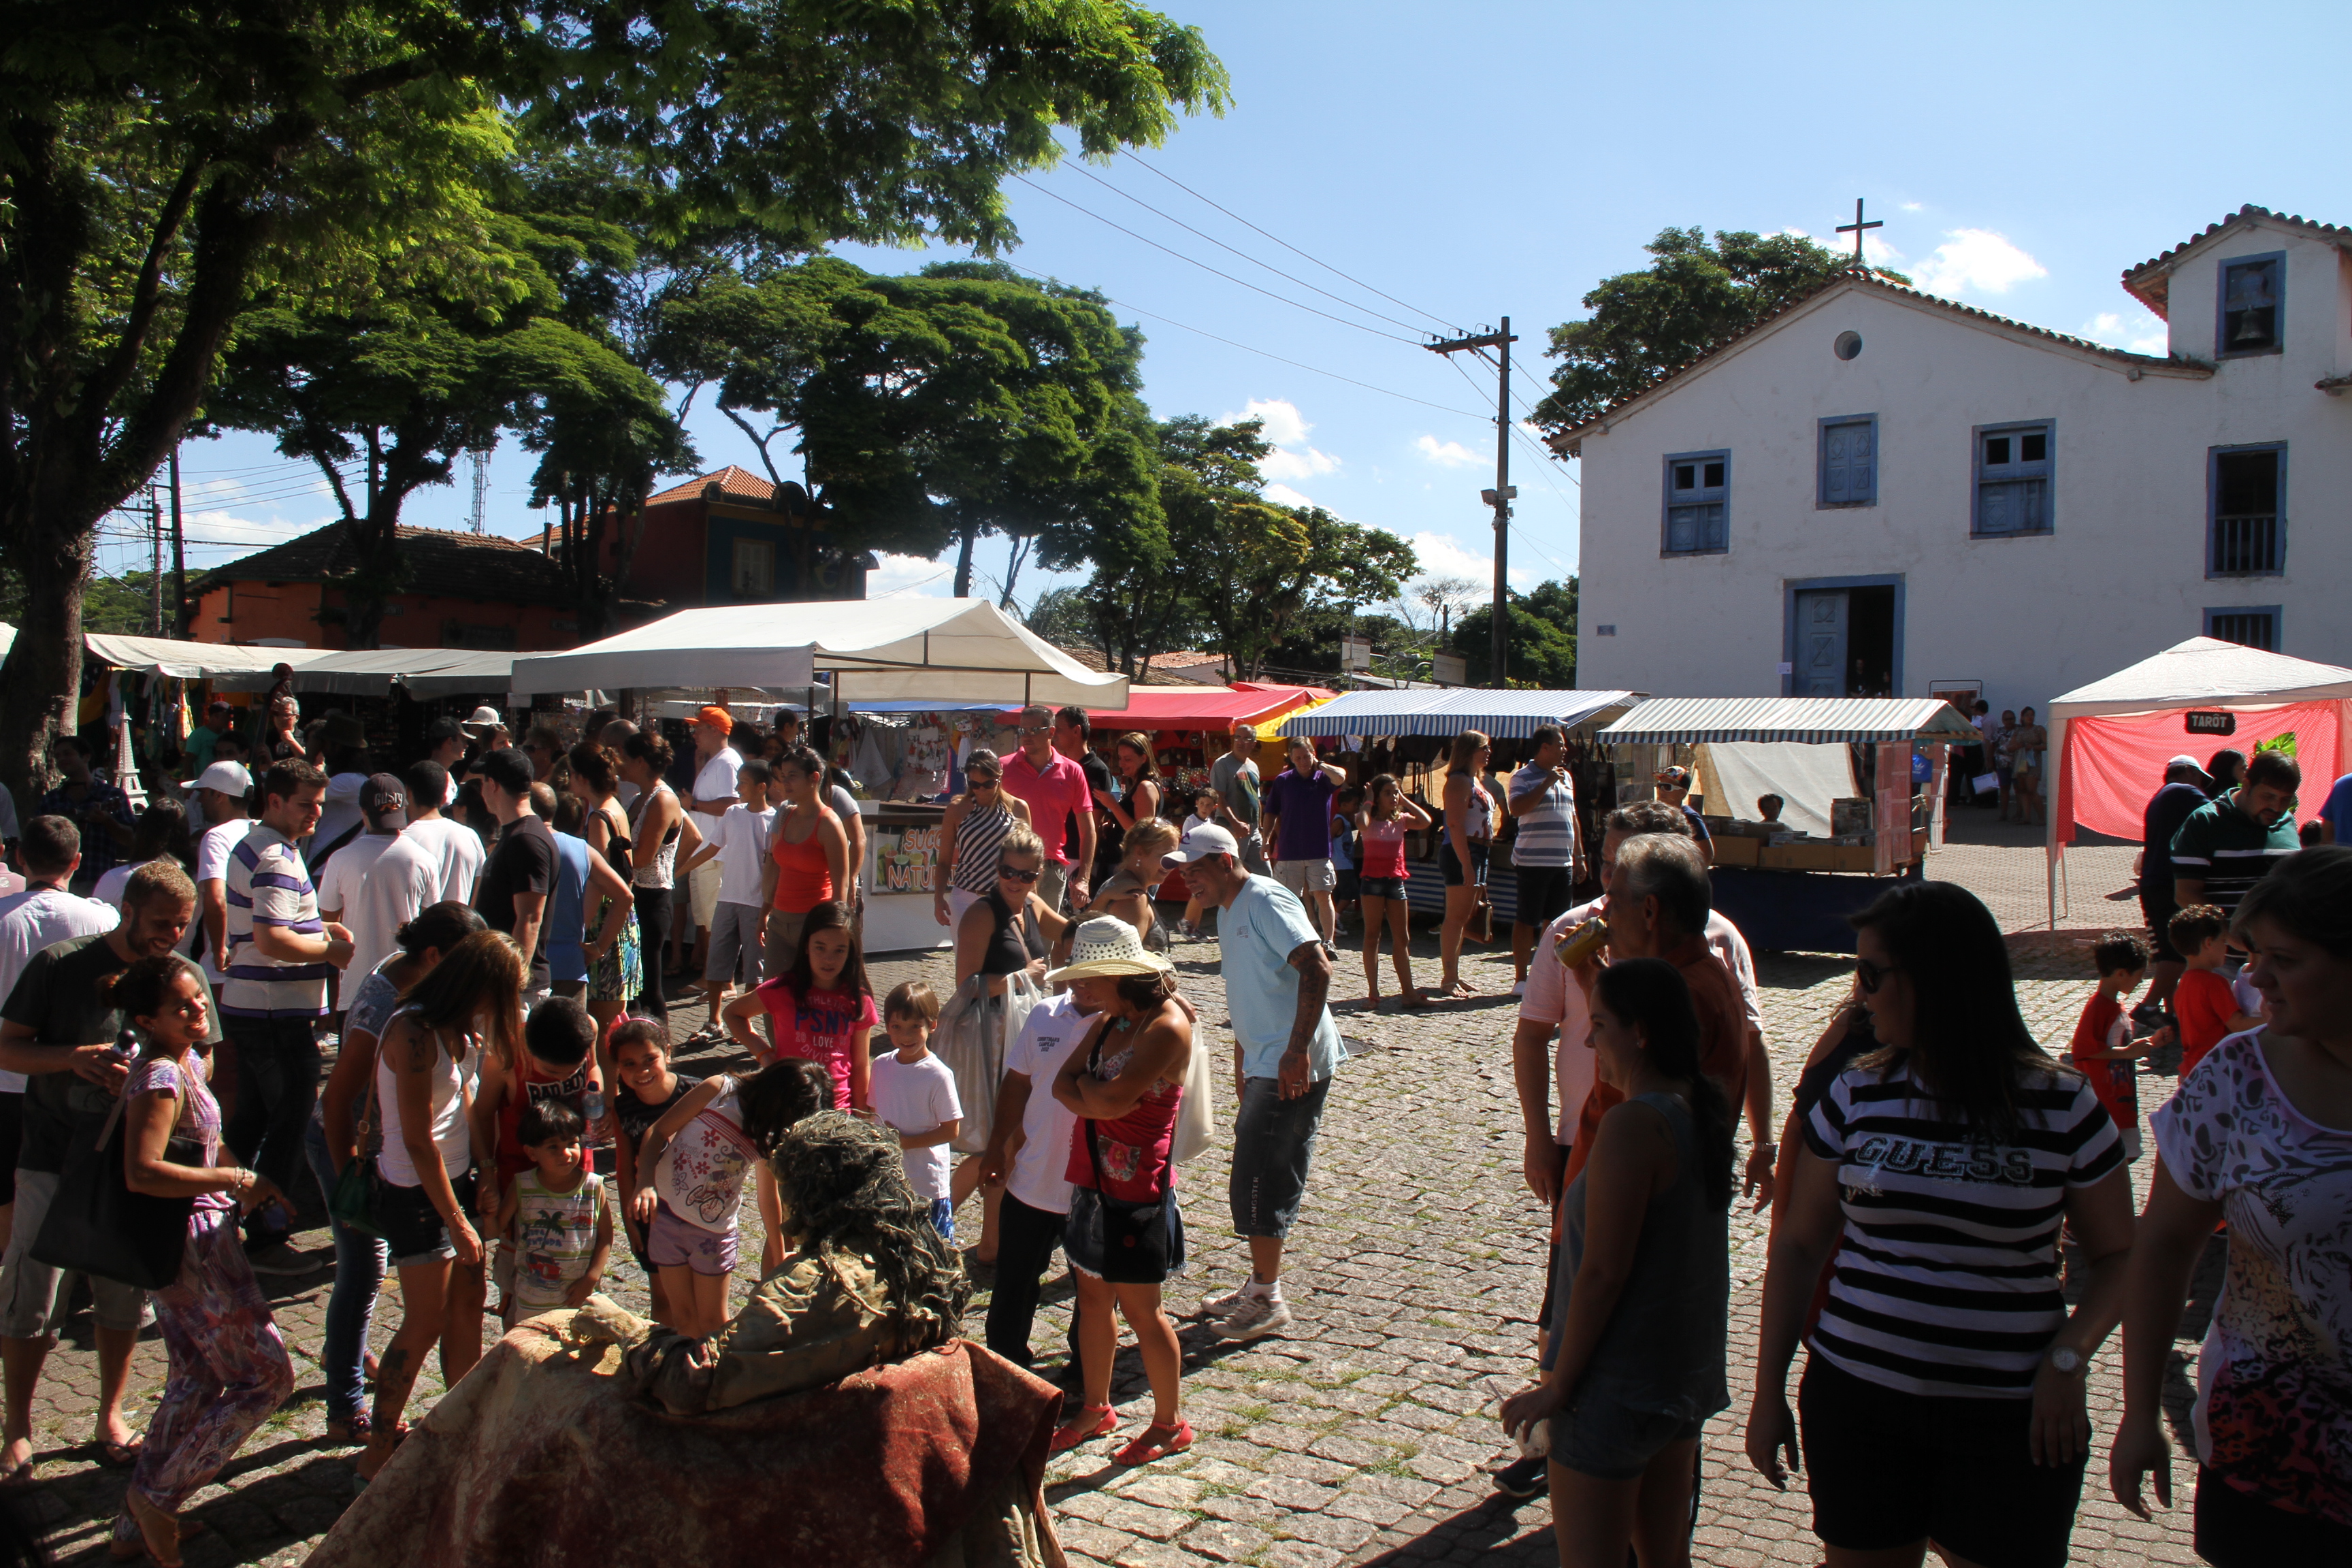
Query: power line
point(1245, 254)
point(1282, 242)
point(1248, 348)
point(1205, 267)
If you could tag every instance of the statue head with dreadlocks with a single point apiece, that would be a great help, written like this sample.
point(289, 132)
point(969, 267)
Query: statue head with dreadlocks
point(843, 1183)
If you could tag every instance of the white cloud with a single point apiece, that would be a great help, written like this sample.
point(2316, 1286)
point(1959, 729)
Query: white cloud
point(1283, 495)
point(1446, 454)
point(1443, 556)
point(2139, 331)
point(1976, 260)
point(1286, 428)
point(1914, 206)
point(1281, 463)
point(913, 576)
point(1874, 250)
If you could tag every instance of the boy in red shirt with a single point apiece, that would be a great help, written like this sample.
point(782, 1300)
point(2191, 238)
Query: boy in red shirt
point(2102, 1048)
point(2205, 1004)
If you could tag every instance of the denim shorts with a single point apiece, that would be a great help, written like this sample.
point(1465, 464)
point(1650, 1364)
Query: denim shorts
point(1449, 864)
point(673, 1243)
point(1380, 887)
point(413, 1228)
point(1082, 1233)
point(1274, 1144)
point(1610, 1441)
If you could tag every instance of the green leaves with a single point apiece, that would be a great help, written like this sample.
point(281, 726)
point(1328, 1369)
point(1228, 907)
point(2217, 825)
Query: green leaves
point(1693, 297)
point(1542, 652)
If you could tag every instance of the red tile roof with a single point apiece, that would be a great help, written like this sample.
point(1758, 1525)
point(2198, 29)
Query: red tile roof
point(440, 564)
point(1566, 440)
point(740, 484)
point(2149, 280)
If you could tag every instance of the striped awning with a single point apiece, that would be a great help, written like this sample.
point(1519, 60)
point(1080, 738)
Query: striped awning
point(1813, 721)
point(1504, 715)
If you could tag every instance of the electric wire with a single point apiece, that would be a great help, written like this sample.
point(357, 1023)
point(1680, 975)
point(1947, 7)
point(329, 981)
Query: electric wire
point(1245, 254)
point(1285, 245)
point(1205, 267)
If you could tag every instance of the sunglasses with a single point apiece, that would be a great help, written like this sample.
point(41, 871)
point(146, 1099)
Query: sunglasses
point(982, 781)
point(1036, 728)
point(1871, 976)
point(1013, 874)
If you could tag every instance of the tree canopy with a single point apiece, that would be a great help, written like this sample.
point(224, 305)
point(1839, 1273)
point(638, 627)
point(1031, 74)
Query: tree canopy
point(164, 171)
point(1696, 294)
point(1542, 643)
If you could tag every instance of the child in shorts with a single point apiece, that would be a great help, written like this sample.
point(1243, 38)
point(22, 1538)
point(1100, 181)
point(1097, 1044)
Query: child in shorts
point(640, 1054)
point(1208, 811)
point(691, 1172)
point(914, 1097)
point(2102, 1048)
point(557, 1214)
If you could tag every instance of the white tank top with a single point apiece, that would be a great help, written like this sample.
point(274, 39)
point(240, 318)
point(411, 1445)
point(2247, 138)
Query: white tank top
point(454, 1083)
point(700, 1174)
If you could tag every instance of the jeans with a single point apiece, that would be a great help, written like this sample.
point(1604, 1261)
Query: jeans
point(652, 934)
point(1274, 1147)
point(360, 1264)
point(278, 1065)
point(1026, 1239)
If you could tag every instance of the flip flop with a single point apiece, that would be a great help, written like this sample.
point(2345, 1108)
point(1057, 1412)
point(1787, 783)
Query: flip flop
point(1147, 1447)
point(21, 1477)
point(116, 1456)
point(1069, 1436)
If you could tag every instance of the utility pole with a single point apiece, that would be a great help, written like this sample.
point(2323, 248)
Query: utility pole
point(154, 562)
point(481, 491)
point(1504, 492)
point(179, 555)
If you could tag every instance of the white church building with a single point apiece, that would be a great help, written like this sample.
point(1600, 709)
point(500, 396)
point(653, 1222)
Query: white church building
point(1876, 491)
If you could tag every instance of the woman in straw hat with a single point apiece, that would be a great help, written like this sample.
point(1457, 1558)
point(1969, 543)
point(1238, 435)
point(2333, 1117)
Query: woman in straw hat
point(1124, 1237)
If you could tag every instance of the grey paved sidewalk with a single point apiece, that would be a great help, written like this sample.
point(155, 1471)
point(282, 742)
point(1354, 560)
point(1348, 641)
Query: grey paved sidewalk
point(1363, 1436)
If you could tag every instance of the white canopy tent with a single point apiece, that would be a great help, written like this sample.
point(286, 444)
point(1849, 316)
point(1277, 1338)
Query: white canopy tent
point(1449, 711)
point(196, 660)
point(425, 672)
point(2109, 740)
point(880, 650)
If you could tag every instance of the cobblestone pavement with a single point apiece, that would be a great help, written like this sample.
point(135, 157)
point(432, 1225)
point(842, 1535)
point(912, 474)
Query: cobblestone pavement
point(1362, 1438)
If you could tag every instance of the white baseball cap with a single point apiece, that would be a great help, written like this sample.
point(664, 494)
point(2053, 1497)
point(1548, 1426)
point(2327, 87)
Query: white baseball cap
point(228, 778)
point(1199, 844)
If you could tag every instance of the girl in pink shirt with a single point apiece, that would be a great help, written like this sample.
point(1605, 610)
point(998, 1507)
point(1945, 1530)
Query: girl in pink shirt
point(819, 1010)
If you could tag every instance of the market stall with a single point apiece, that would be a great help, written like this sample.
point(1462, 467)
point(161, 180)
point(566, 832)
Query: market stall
point(2109, 741)
point(1785, 888)
point(1425, 716)
point(941, 654)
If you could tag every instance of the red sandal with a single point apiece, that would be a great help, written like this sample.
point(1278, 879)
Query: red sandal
point(1070, 1434)
point(1147, 1447)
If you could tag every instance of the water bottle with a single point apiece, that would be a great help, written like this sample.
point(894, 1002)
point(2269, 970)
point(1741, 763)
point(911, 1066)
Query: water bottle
point(592, 1107)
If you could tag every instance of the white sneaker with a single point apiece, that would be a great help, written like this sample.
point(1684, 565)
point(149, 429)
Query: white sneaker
point(1221, 1306)
point(1255, 1316)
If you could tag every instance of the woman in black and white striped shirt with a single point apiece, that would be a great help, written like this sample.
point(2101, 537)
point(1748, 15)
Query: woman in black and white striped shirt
point(1943, 1393)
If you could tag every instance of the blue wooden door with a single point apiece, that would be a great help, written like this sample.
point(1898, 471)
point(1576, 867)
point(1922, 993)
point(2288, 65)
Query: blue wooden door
point(1821, 644)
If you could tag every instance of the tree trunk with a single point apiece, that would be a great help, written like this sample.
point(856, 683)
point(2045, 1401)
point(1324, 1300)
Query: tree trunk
point(967, 536)
point(40, 686)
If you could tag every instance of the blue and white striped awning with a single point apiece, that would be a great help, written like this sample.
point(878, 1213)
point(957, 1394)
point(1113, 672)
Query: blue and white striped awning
point(1504, 715)
point(1812, 720)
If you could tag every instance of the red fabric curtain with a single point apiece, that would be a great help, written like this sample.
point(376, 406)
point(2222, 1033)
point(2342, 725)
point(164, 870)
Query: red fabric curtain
point(2114, 764)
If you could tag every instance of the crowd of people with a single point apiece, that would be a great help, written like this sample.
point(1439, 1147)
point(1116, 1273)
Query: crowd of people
point(487, 935)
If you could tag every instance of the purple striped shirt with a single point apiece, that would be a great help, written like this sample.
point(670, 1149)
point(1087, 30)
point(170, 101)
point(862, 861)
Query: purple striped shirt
point(267, 885)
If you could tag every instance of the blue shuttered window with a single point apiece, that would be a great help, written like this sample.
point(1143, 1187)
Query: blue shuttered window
point(1848, 462)
point(2015, 467)
point(1698, 502)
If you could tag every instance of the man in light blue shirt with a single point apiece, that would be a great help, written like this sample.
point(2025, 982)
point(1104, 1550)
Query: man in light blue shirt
point(1285, 1047)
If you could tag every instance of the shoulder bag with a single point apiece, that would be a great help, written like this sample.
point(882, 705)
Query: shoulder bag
point(1135, 1234)
point(352, 1203)
point(97, 1225)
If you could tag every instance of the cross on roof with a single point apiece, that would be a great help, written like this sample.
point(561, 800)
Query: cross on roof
point(1857, 227)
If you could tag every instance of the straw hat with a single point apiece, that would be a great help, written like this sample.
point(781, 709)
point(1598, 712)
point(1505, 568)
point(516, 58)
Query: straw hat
point(1107, 948)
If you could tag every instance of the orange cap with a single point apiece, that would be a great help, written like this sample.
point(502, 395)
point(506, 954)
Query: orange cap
point(717, 716)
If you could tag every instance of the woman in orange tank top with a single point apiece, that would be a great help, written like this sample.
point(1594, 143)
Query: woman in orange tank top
point(808, 855)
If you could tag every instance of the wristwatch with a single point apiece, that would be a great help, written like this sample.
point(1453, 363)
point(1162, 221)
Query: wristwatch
point(2064, 1360)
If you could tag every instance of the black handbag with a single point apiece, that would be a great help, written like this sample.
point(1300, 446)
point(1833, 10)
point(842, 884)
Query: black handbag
point(1135, 1234)
point(351, 1203)
point(97, 1225)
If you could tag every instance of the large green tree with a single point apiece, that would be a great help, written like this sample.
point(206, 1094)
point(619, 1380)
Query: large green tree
point(1542, 650)
point(166, 169)
point(1695, 294)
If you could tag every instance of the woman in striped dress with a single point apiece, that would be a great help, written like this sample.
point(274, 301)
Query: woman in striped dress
point(971, 835)
point(1943, 1398)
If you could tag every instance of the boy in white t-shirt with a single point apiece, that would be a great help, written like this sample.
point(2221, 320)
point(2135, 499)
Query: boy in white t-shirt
point(739, 840)
point(914, 1097)
point(1208, 811)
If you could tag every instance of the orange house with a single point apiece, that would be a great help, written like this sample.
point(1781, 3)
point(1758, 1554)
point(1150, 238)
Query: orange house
point(728, 538)
point(466, 589)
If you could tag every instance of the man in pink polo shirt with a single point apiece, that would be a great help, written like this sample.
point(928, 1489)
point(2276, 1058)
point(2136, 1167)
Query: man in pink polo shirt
point(1055, 790)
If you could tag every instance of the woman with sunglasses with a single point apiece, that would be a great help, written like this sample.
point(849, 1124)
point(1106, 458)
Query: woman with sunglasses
point(1009, 931)
point(970, 834)
point(1943, 1396)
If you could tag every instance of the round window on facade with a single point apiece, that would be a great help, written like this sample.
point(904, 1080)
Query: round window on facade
point(1847, 346)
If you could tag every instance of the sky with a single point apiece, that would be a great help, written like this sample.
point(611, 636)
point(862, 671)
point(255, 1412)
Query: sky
point(1387, 171)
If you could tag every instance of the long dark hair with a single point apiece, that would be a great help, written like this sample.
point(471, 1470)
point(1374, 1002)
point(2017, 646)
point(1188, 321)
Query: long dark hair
point(800, 978)
point(779, 1095)
point(2310, 894)
point(1650, 996)
point(163, 830)
point(1969, 1045)
point(140, 987)
point(483, 973)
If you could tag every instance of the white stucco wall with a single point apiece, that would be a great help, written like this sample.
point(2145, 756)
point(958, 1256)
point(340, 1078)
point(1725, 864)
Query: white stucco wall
point(2123, 574)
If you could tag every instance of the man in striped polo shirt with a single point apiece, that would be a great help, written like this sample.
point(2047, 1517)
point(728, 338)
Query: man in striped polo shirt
point(279, 957)
point(1549, 850)
point(2231, 842)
